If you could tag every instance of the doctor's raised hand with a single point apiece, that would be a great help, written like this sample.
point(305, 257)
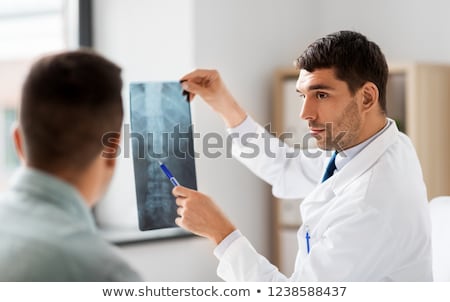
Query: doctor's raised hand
point(209, 85)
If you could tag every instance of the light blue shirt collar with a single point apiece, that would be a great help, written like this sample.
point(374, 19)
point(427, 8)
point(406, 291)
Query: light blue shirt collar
point(342, 158)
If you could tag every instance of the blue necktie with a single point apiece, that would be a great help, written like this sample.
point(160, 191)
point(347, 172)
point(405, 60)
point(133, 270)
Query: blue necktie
point(330, 168)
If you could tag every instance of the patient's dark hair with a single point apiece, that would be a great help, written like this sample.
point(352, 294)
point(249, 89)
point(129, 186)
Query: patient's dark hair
point(355, 60)
point(69, 100)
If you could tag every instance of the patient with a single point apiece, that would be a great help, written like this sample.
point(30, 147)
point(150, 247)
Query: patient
point(47, 233)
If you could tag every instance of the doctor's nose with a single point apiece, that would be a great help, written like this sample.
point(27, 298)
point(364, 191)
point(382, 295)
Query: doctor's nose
point(308, 111)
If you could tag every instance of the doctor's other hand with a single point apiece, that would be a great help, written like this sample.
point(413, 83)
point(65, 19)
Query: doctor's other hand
point(200, 215)
point(209, 86)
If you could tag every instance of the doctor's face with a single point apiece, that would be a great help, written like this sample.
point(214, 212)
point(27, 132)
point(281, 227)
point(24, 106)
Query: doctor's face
point(330, 109)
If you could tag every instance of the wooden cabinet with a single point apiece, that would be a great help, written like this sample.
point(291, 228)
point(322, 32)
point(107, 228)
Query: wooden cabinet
point(427, 114)
point(418, 99)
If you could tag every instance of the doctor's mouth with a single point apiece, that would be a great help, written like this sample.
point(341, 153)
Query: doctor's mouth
point(179, 143)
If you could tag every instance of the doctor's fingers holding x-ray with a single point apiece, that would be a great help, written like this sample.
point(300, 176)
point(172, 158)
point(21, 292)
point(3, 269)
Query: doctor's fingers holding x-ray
point(200, 215)
point(209, 85)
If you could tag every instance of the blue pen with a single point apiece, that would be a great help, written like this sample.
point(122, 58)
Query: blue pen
point(169, 175)
point(307, 239)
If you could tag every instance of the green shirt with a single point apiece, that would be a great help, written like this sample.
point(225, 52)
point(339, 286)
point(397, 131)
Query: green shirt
point(47, 233)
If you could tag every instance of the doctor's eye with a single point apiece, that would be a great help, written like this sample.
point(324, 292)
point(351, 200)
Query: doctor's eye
point(302, 97)
point(321, 95)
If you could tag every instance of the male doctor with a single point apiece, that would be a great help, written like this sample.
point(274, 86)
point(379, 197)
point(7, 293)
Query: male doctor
point(365, 214)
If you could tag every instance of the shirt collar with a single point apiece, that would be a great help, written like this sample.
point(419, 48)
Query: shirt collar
point(343, 157)
point(48, 188)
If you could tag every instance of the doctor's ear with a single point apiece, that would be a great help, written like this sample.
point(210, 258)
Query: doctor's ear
point(370, 96)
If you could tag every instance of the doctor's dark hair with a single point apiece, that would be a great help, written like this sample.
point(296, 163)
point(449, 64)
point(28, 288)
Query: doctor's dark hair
point(355, 59)
point(69, 100)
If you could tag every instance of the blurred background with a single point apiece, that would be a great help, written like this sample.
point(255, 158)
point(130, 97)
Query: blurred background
point(247, 41)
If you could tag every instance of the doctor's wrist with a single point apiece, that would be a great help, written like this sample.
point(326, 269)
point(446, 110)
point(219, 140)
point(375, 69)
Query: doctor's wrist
point(223, 233)
point(233, 114)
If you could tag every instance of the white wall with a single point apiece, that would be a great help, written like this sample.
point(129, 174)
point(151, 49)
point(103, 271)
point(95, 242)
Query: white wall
point(406, 30)
point(162, 40)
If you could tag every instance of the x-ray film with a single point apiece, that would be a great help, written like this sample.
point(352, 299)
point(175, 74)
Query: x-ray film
point(161, 132)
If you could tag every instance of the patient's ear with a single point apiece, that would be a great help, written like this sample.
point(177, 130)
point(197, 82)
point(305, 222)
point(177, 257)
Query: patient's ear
point(111, 148)
point(18, 141)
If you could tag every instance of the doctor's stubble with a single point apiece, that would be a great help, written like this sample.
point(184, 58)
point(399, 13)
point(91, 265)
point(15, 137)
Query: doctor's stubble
point(342, 133)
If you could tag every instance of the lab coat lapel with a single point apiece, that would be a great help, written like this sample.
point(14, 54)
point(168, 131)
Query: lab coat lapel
point(312, 205)
point(364, 159)
point(326, 191)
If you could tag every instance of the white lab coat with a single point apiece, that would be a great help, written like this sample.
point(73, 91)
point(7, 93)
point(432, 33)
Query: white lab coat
point(368, 222)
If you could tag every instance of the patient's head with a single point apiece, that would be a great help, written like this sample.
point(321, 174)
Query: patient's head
point(69, 101)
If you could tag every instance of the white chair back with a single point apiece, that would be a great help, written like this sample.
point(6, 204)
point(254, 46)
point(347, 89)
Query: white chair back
point(440, 219)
